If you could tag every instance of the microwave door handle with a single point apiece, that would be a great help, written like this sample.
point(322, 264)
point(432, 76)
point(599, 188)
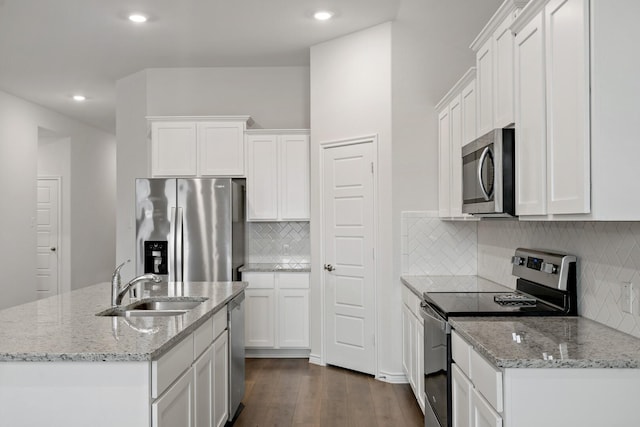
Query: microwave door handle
point(483, 157)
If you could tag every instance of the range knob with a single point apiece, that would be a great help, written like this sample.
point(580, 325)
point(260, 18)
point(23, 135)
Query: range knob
point(517, 260)
point(549, 268)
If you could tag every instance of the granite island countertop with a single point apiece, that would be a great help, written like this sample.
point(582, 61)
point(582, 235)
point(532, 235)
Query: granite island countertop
point(269, 267)
point(420, 284)
point(65, 327)
point(548, 342)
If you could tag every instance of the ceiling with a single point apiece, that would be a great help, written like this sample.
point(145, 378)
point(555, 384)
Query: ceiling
point(52, 50)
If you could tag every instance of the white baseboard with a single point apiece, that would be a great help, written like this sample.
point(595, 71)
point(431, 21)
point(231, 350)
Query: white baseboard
point(316, 360)
point(269, 353)
point(393, 378)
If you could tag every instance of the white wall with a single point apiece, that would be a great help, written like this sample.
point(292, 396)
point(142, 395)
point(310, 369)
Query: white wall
point(92, 200)
point(350, 98)
point(431, 52)
point(275, 98)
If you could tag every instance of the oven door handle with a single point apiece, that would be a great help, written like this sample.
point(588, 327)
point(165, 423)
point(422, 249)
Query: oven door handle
point(429, 314)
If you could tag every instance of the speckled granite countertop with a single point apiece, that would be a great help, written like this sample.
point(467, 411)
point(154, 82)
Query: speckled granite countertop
point(265, 268)
point(548, 342)
point(65, 327)
point(420, 284)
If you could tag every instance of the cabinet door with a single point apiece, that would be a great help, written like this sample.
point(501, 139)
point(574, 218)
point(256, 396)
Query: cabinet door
point(259, 318)
point(173, 149)
point(503, 74)
point(461, 389)
point(531, 158)
point(262, 177)
point(221, 148)
point(484, 78)
point(419, 361)
point(407, 344)
point(482, 414)
point(294, 178)
point(567, 73)
point(175, 406)
point(221, 380)
point(293, 318)
point(203, 374)
point(455, 138)
point(469, 118)
point(444, 163)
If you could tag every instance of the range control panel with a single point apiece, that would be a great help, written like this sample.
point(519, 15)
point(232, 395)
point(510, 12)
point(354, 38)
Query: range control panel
point(547, 268)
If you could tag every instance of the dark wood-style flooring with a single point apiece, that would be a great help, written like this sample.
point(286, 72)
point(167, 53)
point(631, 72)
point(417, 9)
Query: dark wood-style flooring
point(293, 392)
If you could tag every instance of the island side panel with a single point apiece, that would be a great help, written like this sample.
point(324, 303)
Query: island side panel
point(75, 394)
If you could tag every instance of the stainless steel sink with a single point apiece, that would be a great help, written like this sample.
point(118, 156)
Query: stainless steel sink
point(152, 307)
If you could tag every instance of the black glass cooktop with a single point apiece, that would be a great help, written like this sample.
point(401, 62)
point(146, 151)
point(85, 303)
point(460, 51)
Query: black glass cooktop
point(483, 304)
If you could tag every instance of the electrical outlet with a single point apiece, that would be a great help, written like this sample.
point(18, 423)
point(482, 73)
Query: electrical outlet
point(627, 299)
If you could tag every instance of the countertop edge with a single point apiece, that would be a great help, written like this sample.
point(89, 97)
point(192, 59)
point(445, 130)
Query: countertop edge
point(158, 352)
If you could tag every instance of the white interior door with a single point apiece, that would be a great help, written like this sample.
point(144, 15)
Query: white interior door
point(47, 230)
point(349, 275)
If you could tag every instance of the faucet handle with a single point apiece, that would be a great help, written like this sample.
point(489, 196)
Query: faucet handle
point(115, 278)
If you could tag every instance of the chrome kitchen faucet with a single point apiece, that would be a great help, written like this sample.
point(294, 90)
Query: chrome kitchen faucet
point(118, 291)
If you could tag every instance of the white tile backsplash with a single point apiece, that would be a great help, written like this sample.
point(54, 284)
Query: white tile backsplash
point(608, 255)
point(278, 242)
point(431, 246)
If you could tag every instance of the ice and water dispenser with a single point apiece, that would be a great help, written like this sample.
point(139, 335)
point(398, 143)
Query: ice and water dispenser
point(156, 257)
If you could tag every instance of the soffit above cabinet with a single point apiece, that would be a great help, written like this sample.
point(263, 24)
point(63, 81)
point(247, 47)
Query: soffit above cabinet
point(457, 88)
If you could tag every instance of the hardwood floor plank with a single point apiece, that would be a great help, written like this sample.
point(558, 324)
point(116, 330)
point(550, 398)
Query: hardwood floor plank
point(292, 392)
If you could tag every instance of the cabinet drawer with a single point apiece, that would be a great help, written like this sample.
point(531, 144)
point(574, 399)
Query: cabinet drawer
point(487, 379)
point(203, 337)
point(293, 280)
point(411, 300)
point(461, 353)
point(168, 368)
point(219, 322)
point(259, 280)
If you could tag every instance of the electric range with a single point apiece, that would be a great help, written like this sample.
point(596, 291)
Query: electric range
point(545, 286)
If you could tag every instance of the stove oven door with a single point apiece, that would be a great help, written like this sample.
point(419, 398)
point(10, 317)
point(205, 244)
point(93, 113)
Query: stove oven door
point(437, 338)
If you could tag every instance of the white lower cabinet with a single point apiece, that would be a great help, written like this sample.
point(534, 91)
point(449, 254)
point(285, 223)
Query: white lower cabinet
point(461, 388)
point(175, 407)
point(413, 344)
point(199, 396)
point(277, 310)
point(482, 414)
point(220, 382)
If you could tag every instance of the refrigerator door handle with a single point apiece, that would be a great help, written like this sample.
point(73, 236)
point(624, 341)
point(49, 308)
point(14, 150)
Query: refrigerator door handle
point(178, 235)
point(172, 246)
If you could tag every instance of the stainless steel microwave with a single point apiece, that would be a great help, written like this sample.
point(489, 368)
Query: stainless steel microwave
point(488, 175)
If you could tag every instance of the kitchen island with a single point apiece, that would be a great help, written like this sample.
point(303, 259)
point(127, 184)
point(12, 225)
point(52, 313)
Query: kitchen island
point(60, 364)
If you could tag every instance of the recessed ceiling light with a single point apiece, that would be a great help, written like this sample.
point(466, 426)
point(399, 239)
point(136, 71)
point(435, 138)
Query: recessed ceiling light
point(79, 98)
point(323, 15)
point(138, 18)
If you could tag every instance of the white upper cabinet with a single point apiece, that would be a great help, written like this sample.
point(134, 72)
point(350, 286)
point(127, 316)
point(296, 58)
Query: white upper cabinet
point(552, 108)
point(278, 175)
point(198, 146)
point(494, 48)
point(173, 149)
point(531, 159)
point(456, 127)
point(221, 148)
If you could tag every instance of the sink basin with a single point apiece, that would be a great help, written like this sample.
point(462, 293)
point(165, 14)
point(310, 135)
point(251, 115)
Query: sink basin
point(164, 305)
point(152, 307)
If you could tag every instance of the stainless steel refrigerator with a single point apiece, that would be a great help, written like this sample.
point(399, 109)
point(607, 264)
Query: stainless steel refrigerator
point(190, 229)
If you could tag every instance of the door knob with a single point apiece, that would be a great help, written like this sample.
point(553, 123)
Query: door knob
point(329, 267)
point(53, 249)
